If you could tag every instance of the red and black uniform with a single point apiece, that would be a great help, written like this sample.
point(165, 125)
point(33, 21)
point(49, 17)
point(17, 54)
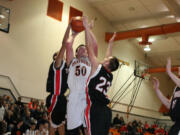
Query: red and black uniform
point(175, 112)
point(57, 86)
point(98, 115)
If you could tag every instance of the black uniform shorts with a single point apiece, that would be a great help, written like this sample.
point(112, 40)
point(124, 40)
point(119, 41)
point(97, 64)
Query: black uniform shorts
point(99, 119)
point(175, 129)
point(57, 109)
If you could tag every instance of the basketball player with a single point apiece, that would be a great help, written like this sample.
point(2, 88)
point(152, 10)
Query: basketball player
point(175, 78)
point(98, 115)
point(79, 70)
point(57, 86)
point(174, 104)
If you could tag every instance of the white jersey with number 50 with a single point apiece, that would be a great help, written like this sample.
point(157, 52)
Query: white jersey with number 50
point(79, 71)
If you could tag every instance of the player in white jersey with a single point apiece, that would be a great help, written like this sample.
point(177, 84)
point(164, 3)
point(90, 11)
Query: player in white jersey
point(79, 70)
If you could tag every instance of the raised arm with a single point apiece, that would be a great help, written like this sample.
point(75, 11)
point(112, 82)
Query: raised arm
point(69, 48)
point(93, 38)
point(163, 99)
point(89, 43)
point(109, 49)
point(60, 55)
point(175, 79)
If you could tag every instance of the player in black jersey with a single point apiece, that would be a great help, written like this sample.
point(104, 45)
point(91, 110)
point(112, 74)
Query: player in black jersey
point(98, 115)
point(174, 104)
point(57, 86)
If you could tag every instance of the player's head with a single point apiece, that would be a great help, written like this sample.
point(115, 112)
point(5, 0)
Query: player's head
point(81, 51)
point(111, 63)
point(55, 55)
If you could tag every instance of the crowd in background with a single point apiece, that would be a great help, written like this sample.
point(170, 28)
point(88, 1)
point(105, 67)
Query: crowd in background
point(135, 127)
point(19, 118)
point(32, 119)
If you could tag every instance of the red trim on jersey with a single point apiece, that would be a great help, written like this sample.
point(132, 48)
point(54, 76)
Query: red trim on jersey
point(58, 73)
point(53, 103)
point(109, 71)
point(88, 108)
point(57, 89)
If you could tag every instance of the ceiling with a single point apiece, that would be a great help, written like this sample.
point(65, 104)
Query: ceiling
point(133, 14)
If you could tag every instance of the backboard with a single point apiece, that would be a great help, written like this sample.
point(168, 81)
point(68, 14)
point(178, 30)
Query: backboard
point(140, 70)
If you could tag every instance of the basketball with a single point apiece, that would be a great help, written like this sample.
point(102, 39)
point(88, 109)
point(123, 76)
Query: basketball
point(77, 24)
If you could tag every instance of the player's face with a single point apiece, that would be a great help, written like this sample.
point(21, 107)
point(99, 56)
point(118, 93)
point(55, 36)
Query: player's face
point(82, 52)
point(41, 126)
point(106, 62)
point(46, 126)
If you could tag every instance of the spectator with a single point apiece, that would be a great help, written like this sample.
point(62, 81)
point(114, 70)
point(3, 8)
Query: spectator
point(146, 125)
point(124, 129)
point(139, 129)
point(6, 106)
point(9, 119)
point(27, 120)
point(32, 105)
point(2, 110)
point(37, 113)
point(32, 130)
point(134, 123)
point(121, 121)
point(8, 100)
point(4, 98)
point(140, 123)
point(43, 107)
point(46, 128)
point(130, 129)
point(43, 120)
point(19, 128)
point(40, 130)
point(116, 120)
point(19, 103)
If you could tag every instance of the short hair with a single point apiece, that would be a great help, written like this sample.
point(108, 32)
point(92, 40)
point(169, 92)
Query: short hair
point(113, 64)
point(54, 55)
point(79, 47)
point(32, 123)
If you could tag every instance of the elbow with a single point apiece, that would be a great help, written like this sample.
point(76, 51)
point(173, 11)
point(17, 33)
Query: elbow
point(95, 49)
point(178, 83)
point(168, 105)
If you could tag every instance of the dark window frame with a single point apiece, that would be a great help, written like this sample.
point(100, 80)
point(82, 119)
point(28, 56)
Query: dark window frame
point(8, 25)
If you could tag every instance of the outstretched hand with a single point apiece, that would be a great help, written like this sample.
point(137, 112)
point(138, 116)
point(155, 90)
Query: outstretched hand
point(91, 24)
point(70, 22)
point(168, 65)
point(85, 21)
point(112, 38)
point(155, 82)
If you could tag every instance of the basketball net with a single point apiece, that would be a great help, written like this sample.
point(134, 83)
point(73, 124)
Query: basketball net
point(146, 76)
